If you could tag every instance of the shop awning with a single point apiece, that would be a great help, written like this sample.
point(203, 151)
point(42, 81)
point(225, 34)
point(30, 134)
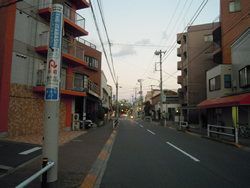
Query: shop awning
point(236, 100)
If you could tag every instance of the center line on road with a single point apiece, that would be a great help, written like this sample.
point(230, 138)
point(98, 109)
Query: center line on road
point(30, 151)
point(151, 132)
point(196, 160)
point(141, 125)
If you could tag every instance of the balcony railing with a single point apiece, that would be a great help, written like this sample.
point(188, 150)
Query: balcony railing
point(68, 12)
point(72, 83)
point(217, 45)
point(93, 87)
point(179, 52)
point(86, 43)
point(68, 47)
point(179, 65)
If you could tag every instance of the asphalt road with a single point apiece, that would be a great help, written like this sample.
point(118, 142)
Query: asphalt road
point(148, 155)
point(14, 154)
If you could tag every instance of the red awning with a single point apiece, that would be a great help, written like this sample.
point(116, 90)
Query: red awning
point(235, 100)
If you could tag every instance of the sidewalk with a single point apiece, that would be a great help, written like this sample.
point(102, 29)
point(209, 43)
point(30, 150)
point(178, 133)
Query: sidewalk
point(78, 151)
point(196, 129)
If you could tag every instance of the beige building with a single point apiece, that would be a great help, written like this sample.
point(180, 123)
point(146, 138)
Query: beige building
point(196, 57)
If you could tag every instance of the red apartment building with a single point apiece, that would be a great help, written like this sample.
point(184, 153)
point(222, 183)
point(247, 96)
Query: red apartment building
point(23, 55)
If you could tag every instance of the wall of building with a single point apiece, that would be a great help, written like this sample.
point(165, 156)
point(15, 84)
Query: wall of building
point(93, 75)
point(221, 70)
point(232, 25)
point(26, 111)
point(197, 64)
point(240, 56)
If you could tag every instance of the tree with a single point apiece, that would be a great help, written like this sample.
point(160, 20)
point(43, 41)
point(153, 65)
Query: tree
point(148, 107)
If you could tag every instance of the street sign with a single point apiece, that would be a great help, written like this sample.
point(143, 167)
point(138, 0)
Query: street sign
point(54, 54)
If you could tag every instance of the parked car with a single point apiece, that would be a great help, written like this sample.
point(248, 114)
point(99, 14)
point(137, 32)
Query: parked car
point(88, 124)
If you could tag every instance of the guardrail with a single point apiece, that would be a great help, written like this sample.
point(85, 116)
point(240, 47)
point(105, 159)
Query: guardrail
point(46, 166)
point(183, 124)
point(115, 123)
point(235, 135)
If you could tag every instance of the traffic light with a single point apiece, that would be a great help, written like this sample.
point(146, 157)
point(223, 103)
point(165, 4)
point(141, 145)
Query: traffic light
point(121, 104)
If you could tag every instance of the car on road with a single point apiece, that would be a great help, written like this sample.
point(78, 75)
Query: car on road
point(88, 124)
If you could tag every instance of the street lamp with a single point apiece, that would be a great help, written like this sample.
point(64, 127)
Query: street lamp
point(159, 53)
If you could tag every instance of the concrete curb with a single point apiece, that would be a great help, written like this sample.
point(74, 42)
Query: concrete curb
point(96, 173)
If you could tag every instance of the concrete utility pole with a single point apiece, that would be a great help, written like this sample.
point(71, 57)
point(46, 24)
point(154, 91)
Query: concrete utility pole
point(135, 111)
point(140, 80)
point(159, 53)
point(117, 98)
point(52, 93)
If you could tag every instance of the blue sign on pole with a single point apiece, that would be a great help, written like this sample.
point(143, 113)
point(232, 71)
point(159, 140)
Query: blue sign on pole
point(54, 54)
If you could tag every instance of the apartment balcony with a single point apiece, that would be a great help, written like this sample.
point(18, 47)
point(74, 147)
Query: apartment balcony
point(185, 83)
point(217, 53)
point(179, 65)
point(179, 52)
point(71, 52)
point(73, 21)
point(185, 99)
point(70, 85)
point(179, 37)
point(184, 49)
point(86, 43)
point(179, 80)
point(184, 65)
point(217, 32)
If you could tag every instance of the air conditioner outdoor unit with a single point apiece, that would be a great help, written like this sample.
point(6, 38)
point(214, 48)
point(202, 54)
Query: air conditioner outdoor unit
point(76, 125)
point(75, 117)
point(41, 75)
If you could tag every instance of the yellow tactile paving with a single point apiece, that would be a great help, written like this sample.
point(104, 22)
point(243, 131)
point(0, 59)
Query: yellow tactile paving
point(188, 132)
point(109, 142)
point(112, 135)
point(103, 155)
point(64, 136)
point(89, 181)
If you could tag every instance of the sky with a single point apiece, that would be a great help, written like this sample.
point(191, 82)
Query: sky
point(136, 29)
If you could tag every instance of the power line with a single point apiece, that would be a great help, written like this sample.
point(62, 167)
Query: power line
point(101, 13)
point(100, 38)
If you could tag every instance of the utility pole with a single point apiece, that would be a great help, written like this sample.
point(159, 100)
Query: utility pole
point(52, 93)
point(135, 110)
point(159, 53)
point(117, 98)
point(140, 80)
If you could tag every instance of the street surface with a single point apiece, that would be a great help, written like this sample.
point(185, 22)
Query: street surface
point(149, 155)
point(13, 154)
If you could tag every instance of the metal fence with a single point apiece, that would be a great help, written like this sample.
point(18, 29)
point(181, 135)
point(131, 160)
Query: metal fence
point(217, 129)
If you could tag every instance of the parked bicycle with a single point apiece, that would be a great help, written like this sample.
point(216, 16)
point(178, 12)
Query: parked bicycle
point(244, 130)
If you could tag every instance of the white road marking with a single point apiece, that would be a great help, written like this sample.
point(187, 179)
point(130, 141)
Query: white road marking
point(151, 132)
point(141, 125)
point(136, 122)
point(196, 160)
point(30, 151)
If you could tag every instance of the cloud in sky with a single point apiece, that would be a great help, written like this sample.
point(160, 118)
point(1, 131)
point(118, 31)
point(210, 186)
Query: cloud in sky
point(144, 42)
point(125, 51)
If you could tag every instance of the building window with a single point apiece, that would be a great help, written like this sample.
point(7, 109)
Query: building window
point(227, 81)
point(209, 56)
point(214, 83)
point(208, 38)
point(234, 6)
point(244, 75)
point(92, 62)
